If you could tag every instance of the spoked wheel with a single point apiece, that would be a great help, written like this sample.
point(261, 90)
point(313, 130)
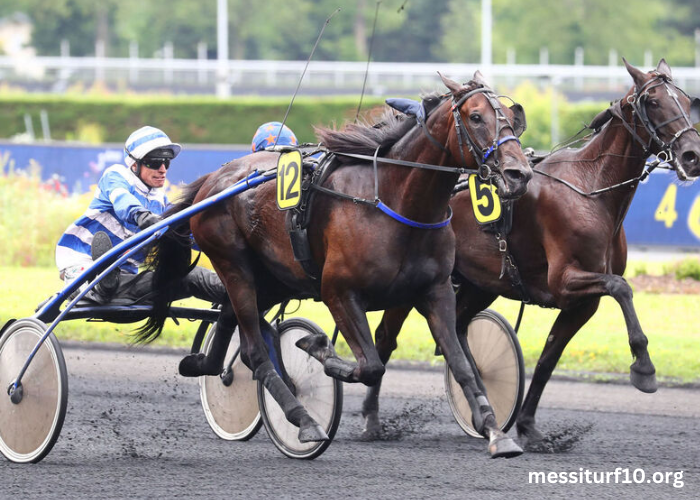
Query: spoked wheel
point(230, 400)
point(321, 395)
point(29, 426)
point(499, 359)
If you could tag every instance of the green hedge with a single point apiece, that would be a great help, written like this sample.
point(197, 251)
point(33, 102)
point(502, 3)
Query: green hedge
point(203, 120)
point(206, 120)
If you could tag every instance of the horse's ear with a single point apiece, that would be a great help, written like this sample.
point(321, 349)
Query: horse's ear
point(600, 119)
point(664, 68)
point(695, 110)
point(519, 121)
point(479, 78)
point(450, 84)
point(637, 74)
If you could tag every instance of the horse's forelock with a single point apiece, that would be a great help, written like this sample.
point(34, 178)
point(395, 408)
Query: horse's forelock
point(468, 87)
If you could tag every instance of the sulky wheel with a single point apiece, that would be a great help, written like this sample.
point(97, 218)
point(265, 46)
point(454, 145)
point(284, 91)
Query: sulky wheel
point(30, 425)
point(321, 395)
point(496, 351)
point(230, 400)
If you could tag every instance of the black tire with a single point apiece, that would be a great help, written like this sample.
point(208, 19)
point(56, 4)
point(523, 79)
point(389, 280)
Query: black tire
point(30, 428)
point(322, 396)
point(495, 348)
point(231, 411)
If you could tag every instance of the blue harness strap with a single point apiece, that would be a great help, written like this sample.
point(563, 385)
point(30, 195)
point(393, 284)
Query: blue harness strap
point(493, 147)
point(418, 225)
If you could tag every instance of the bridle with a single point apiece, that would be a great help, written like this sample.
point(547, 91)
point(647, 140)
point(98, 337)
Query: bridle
point(638, 102)
point(480, 155)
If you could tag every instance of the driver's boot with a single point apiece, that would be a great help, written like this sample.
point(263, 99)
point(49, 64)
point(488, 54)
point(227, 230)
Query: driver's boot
point(105, 289)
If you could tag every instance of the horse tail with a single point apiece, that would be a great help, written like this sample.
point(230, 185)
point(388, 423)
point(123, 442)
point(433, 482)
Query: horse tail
point(170, 261)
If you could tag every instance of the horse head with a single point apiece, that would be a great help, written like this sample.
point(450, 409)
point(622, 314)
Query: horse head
point(489, 131)
point(668, 114)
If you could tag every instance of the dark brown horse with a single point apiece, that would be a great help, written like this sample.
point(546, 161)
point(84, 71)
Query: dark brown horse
point(368, 260)
point(570, 248)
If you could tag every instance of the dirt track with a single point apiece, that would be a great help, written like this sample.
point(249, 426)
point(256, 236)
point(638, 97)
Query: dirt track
point(135, 429)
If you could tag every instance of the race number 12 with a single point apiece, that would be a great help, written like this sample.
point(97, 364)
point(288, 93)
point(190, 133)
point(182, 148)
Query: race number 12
point(289, 180)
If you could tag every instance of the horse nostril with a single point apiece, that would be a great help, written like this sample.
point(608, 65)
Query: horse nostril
point(514, 175)
point(517, 175)
point(689, 158)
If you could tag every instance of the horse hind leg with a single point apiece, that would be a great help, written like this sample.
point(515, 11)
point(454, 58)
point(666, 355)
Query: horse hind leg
point(254, 354)
point(566, 325)
point(198, 364)
point(385, 339)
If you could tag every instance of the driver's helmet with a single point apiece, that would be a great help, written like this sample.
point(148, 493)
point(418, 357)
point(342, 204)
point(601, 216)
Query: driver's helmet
point(146, 140)
point(267, 133)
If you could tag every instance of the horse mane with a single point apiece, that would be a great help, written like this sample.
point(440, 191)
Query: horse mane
point(366, 136)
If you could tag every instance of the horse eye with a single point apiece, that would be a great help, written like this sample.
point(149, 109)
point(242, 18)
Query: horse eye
point(475, 117)
point(653, 103)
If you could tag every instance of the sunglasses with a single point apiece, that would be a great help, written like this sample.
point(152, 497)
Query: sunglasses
point(155, 163)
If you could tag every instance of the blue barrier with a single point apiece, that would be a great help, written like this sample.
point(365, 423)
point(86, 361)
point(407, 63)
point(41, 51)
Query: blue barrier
point(663, 212)
point(75, 169)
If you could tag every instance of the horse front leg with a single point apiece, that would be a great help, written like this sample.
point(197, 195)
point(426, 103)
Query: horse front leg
point(351, 319)
point(578, 285)
point(566, 325)
point(438, 308)
point(385, 339)
point(642, 371)
point(470, 301)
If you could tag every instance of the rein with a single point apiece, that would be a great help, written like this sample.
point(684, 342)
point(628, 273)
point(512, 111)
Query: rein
point(483, 170)
point(636, 100)
point(648, 168)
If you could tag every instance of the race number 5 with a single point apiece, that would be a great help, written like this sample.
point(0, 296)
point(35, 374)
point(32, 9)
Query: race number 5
point(289, 180)
point(485, 200)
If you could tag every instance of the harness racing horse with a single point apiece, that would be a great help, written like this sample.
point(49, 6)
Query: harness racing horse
point(368, 261)
point(567, 237)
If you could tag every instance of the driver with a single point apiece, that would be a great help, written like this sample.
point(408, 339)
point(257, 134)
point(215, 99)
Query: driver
point(128, 199)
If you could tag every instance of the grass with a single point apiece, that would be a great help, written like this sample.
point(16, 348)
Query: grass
point(669, 322)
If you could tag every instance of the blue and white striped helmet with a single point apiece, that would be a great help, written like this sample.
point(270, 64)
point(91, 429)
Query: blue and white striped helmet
point(145, 140)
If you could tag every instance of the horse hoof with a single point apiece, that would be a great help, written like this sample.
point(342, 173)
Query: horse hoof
point(312, 433)
point(340, 369)
point(504, 447)
point(313, 344)
point(372, 429)
point(529, 436)
point(192, 366)
point(644, 382)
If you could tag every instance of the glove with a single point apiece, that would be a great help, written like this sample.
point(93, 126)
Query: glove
point(146, 219)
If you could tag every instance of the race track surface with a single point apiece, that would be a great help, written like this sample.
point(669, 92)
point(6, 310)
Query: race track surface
point(135, 429)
